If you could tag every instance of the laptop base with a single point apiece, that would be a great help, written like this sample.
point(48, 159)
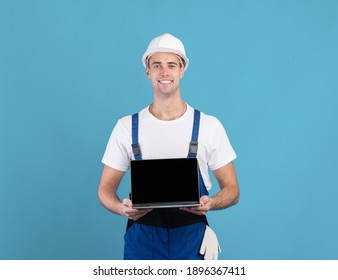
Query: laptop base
point(167, 205)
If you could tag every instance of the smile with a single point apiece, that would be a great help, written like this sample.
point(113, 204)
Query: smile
point(165, 81)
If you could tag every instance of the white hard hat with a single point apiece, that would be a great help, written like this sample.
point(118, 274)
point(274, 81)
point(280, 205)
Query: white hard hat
point(165, 43)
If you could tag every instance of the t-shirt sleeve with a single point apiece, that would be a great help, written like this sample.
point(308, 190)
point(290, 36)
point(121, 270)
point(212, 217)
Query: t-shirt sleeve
point(116, 154)
point(222, 151)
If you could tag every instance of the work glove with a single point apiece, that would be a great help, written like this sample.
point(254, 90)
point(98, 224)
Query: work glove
point(210, 246)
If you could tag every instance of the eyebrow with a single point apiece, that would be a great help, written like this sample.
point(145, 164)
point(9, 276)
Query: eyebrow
point(170, 62)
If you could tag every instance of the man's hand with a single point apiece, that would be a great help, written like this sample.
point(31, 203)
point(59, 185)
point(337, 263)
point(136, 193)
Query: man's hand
point(203, 208)
point(131, 213)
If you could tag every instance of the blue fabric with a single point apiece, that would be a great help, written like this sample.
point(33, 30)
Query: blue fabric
point(194, 139)
point(195, 130)
point(203, 189)
point(144, 242)
point(134, 136)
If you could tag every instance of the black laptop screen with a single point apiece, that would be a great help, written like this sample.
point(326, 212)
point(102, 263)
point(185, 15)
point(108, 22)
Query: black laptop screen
point(164, 181)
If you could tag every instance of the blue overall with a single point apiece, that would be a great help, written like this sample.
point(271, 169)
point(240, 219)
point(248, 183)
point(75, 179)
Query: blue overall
point(166, 234)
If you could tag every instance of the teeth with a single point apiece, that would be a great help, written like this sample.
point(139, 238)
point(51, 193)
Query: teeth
point(165, 82)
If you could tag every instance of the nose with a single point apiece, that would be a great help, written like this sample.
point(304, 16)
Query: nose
point(164, 71)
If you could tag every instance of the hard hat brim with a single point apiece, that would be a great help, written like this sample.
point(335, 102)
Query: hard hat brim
point(151, 52)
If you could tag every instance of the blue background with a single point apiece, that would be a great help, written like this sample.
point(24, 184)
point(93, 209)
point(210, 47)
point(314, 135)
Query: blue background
point(267, 69)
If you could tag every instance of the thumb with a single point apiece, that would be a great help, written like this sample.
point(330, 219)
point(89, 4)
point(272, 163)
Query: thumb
point(127, 202)
point(204, 199)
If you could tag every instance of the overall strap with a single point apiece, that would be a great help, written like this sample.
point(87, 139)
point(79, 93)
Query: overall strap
point(134, 137)
point(193, 146)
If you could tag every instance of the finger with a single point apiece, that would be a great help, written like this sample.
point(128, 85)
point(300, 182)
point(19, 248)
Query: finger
point(195, 210)
point(137, 214)
point(142, 214)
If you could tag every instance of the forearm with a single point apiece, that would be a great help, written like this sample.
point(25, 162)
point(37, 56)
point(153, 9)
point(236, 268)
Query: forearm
point(226, 197)
point(109, 183)
point(229, 189)
point(110, 200)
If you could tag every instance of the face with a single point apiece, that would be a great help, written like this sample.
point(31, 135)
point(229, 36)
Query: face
point(164, 71)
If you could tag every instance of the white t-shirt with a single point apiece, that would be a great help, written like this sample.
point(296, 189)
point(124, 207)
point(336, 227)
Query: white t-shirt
point(170, 139)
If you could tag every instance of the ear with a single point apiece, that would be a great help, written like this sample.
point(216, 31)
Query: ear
point(182, 72)
point(147, 73)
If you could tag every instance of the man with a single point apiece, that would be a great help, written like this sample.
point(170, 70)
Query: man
point(165, 132)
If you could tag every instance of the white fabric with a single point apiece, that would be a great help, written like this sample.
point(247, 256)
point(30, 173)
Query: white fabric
point(210, 246)
point(170, 139)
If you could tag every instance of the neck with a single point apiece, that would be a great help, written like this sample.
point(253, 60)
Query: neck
point(168, 111)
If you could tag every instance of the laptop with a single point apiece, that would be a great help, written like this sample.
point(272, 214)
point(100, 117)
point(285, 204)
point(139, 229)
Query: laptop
point(165, 183)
